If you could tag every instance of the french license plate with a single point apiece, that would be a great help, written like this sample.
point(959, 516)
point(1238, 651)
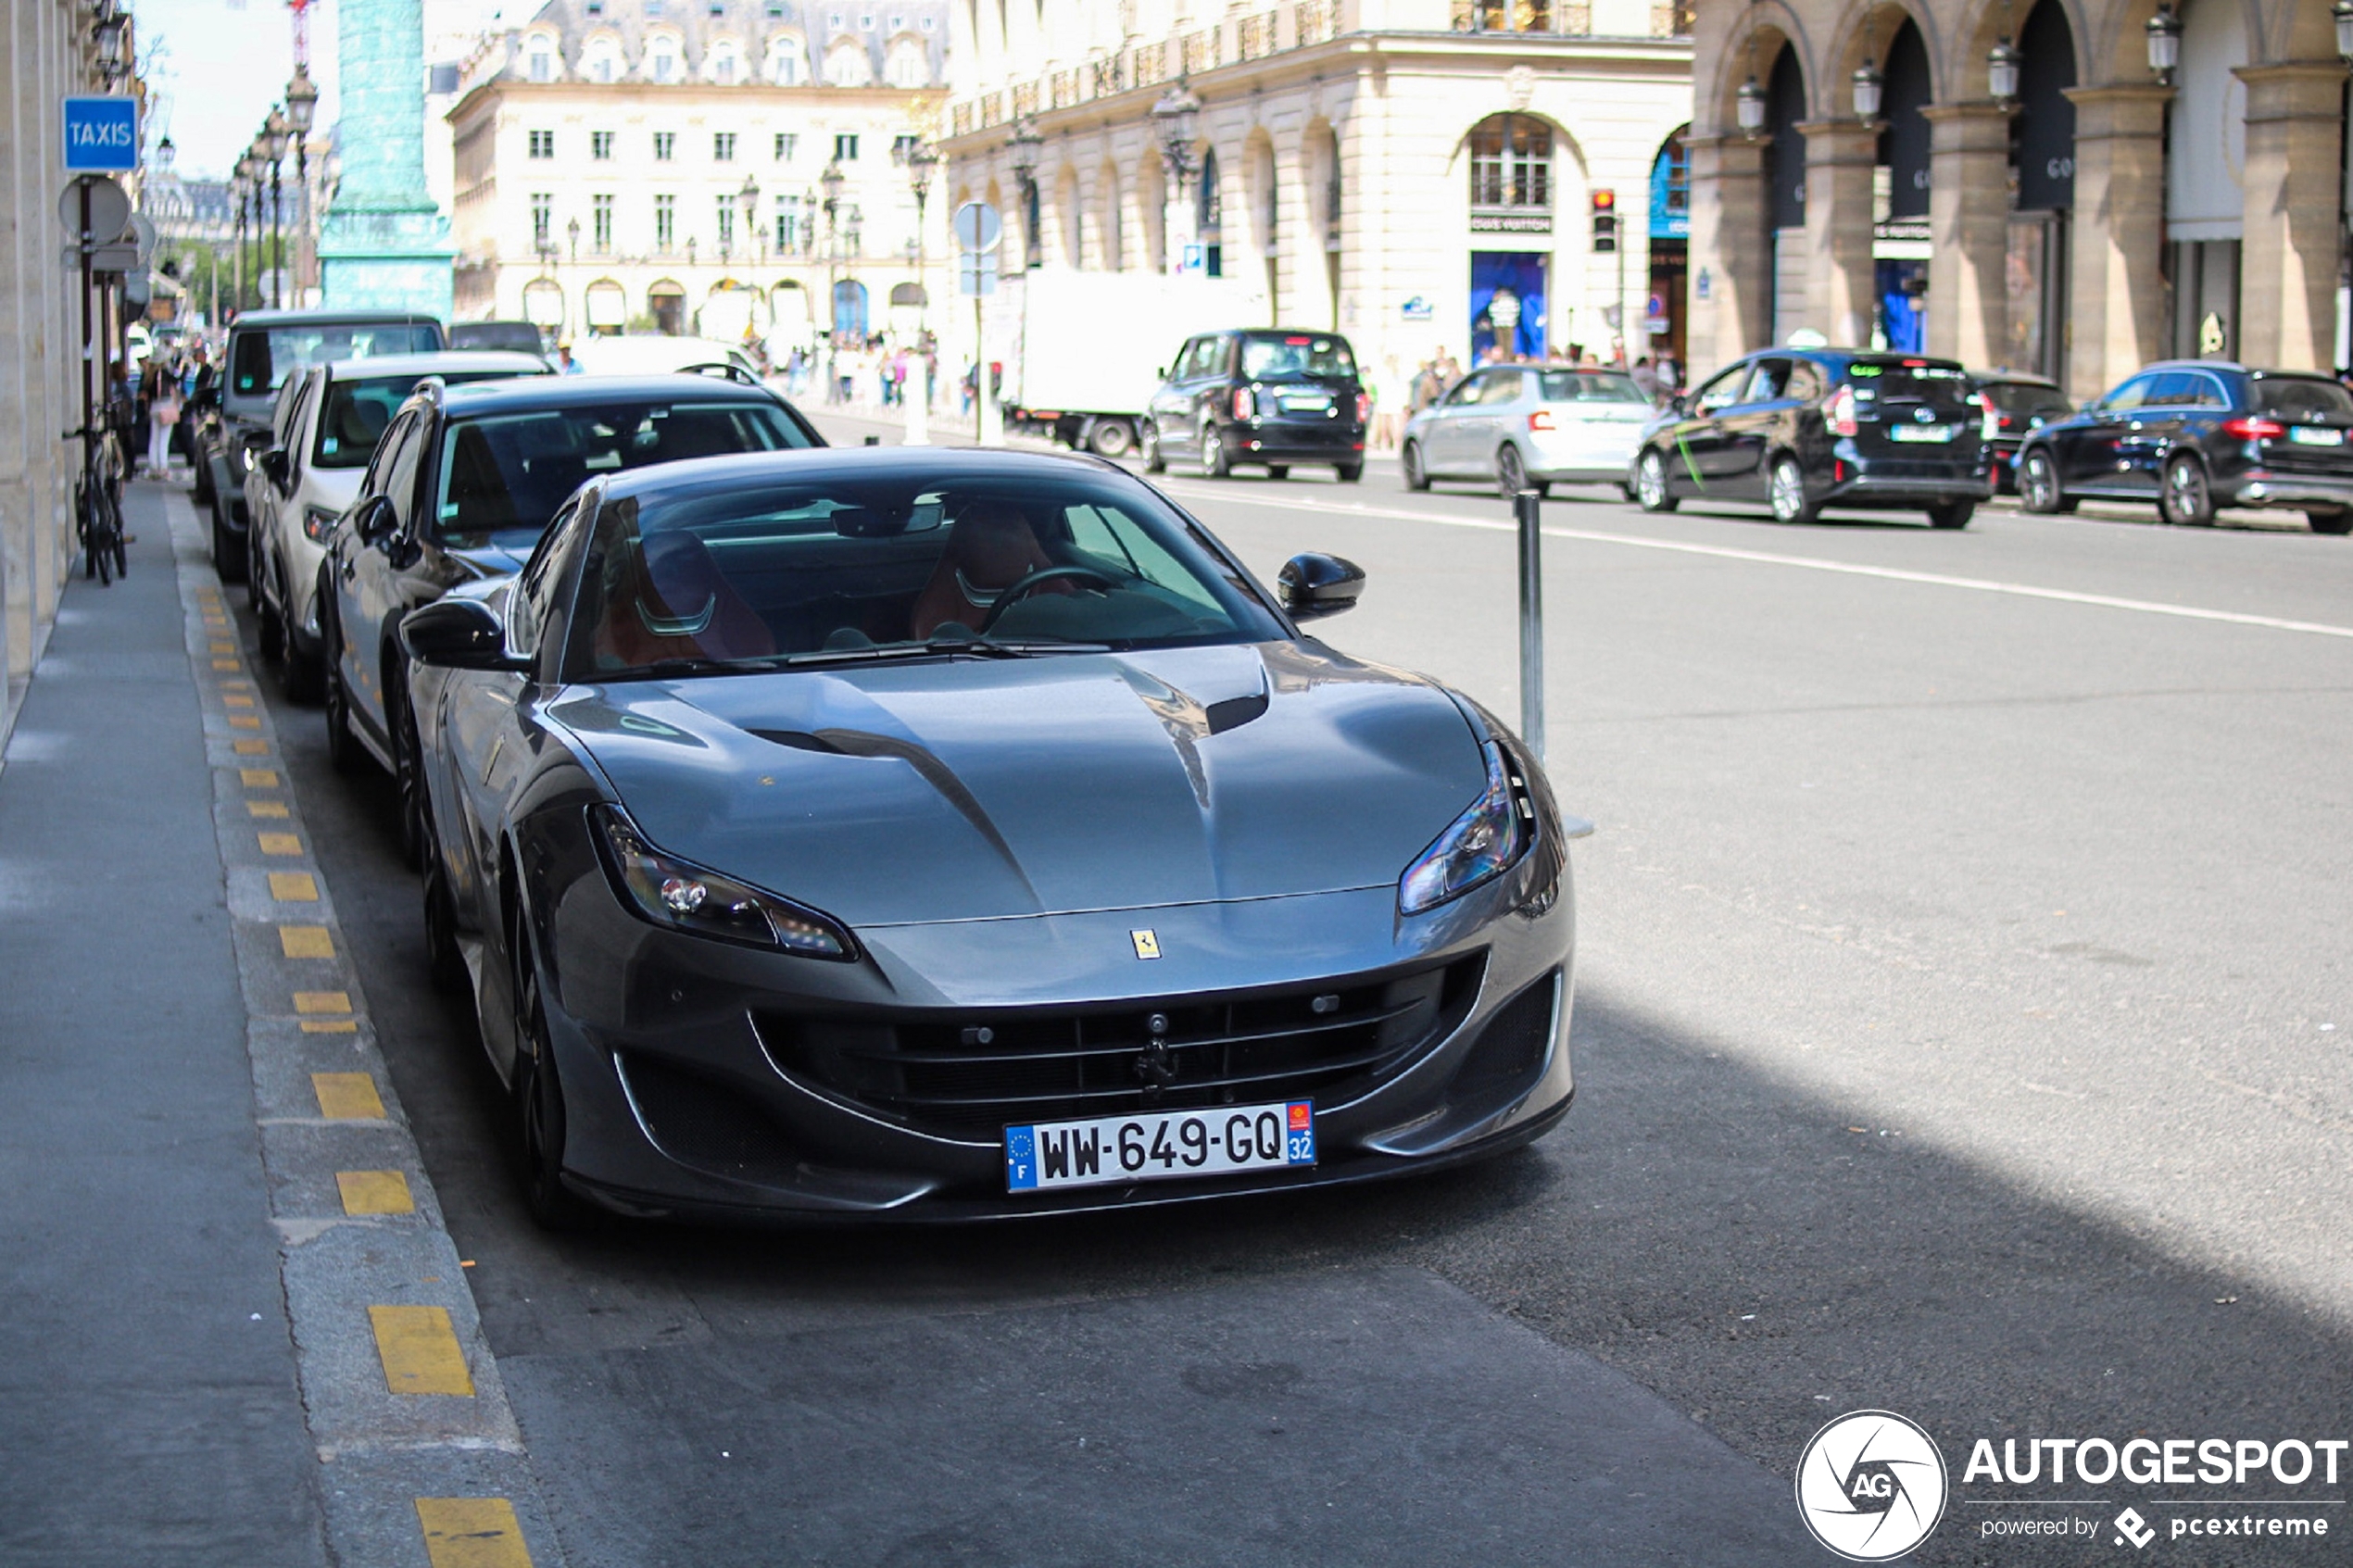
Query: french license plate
point(2315, 435)
point(1936, 433)
point(1153, 1146)
point(1306, 402)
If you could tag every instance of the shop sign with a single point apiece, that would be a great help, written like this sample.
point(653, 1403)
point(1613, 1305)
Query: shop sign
point(1511, 222)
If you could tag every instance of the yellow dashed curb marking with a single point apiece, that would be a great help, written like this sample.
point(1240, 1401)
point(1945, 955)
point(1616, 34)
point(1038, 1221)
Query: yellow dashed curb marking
point(251, 747)
point(471, 1533)
point(257, 778)
point(294, 887)
point(323, 1001)
point(419, 1351)
point(375, 1192)
point(306, 941)
point(281, 844)
point(271, 808)
point(347, 1096)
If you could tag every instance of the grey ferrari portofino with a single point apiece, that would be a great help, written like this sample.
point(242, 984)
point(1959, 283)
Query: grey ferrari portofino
point(955, 833)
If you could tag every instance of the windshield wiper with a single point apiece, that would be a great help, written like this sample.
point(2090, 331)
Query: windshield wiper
point(937, 647)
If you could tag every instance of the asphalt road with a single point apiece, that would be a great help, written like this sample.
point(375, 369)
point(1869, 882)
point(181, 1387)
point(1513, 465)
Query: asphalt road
point(1959, 1027)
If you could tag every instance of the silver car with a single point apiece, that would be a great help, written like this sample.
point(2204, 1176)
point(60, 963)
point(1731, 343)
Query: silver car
point(1528, 427)
point(323, 434)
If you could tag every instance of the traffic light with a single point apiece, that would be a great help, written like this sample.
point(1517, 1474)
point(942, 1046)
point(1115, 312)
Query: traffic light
point(1604, 222)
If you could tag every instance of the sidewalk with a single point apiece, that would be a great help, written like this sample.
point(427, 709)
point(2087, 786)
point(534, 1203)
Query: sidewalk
point(148, 1399)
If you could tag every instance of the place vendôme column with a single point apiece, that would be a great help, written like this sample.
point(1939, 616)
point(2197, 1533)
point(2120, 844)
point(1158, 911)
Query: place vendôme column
point(383, 244)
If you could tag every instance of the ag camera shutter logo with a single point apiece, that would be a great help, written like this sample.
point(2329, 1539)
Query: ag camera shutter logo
point(1870, 1485)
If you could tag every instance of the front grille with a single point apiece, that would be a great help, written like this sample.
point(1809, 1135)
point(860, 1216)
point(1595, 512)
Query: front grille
point(967, 1075)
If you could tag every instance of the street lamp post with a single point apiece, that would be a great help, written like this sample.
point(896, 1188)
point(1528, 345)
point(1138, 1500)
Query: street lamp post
point(1025, 144)
point(832, 181)
point(748, 199)
point(1175, 117)
point(302, 107)
point(273, 143)
point(2342, 15)
point(921, 162)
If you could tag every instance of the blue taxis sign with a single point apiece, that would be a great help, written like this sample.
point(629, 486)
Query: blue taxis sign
point(102, 135)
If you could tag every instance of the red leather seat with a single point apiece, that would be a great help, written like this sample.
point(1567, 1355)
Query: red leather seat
point(990, 547)
point(672, 602)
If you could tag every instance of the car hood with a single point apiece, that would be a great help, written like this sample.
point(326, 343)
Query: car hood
point(968, 790)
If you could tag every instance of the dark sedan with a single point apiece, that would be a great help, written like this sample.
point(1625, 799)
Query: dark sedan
point(2017, 404)
point(951, 834)
point(1266, 398)
point(2197, 434)
point(464, 481)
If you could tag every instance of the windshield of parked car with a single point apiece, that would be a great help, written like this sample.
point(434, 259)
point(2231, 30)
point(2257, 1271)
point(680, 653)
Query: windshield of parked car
point(261, 359)
point(2303, 398)
point(842, 570)
point(1296, 354)
point(2025, 399)
point(1591, 386)
point(501, 473)
point(357, 411)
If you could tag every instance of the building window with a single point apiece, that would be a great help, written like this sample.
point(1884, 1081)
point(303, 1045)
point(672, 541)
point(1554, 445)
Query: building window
point(543, 219)
point(902, 144)
point(543, 65)
point(865, 21)
point(1209, 213)
point(788, 142)
point(845, 147)
point(908, 64)
point(600, 233)
point(723, 69)
point(665, 62)
point(929, 23)
point(600, 145)
point(543, 144)
point(603, 60)
point(726, 210)
point(1512, 163)
point(665, 221)
point(723, 146)
point(718, 8)
point(656, 10)
point(776, 10)
point(787, 66)
point(665, 145)
point(1503, 16)
point(594, 8)
point(848, 64)
point(788, 225)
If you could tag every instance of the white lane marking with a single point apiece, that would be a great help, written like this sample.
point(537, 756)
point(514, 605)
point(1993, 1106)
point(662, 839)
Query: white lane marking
point(1816, 563)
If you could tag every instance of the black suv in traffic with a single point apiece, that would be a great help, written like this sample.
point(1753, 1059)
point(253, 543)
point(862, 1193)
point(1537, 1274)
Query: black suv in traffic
point(1801, 429)
point(1268, 398)
point(2196, 434)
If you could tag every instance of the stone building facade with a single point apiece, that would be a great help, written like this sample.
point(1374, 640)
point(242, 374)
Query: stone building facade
point(47, 55)
point(2094, 218)
point(1417, 173)
point(663, 165)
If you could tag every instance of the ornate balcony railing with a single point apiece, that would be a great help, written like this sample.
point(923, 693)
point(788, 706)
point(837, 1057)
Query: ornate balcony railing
point(1672, 19)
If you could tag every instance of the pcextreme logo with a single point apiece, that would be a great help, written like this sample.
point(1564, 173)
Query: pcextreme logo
point(1870, 1485)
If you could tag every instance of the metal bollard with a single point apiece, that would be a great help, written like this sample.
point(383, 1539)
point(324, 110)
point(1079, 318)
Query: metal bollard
point(1526, 511)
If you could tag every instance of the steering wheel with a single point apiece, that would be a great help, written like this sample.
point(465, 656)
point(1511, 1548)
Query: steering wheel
point(1023, 587)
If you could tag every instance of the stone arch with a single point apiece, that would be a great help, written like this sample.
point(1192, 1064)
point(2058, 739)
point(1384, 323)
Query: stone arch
point(1764, 31)
point(1965, 79)
point(1867, 31)
point(604, 305)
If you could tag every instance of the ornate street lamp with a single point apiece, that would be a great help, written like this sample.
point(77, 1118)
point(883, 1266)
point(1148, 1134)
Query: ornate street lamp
point(273, 134)
point(1748, 108)
point(302, 109)
point(1024, 144)
point(1870, 85)
point(921, 160)
point(165, 153)
point(572, 231)
point(2165, 43)
point(2001, 73)
point(2343, 13)
point(748, 199)
point(1175, 117)
point(108, 30)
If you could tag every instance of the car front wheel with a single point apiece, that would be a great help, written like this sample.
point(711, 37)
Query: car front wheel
point(1786, 490)
point(1410, 459)
point(1213, 461)
point(2038, 485)
point(2185, 499)
point(1149, 441)
point(1650, 484)
point(1951, 514)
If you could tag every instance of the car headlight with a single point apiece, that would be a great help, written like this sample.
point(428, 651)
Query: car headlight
point(1479, 846)
point(317, 523)
point(687, 898)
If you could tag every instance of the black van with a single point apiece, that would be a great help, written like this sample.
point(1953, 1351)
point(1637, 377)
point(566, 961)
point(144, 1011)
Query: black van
point(1266, 396)
point(1801, 429)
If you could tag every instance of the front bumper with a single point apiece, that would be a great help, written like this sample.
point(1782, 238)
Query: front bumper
point(684, 1096)
point(2271, 488)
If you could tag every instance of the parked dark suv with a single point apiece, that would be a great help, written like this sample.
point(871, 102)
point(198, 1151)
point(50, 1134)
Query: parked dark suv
point(1801, 429)
point(1268, 397)
point(2196, 434)
point(233, 412)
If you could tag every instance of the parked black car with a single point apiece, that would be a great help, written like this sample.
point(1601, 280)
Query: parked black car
point(464, 481)
point(1268, 396)
point(233, 412)
point(2195, 435)
point(2017, 404)
point(1801, 429)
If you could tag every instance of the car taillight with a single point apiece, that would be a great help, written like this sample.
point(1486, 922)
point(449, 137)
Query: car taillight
point(2254, 429)
point(1542, 419)
point(1364, 406)
point(1245, 403)
point(1840, 412)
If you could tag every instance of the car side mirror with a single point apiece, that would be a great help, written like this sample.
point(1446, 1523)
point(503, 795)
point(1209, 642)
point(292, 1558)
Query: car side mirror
point(1161, 373)
point(458, 634)
point(1312, 586)
point(375, 520)
point(276, 466)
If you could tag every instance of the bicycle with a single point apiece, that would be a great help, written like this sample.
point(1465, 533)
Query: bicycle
point(97, 504)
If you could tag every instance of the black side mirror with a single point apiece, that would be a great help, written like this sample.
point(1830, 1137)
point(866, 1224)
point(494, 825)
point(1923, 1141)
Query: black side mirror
point(458, 634)
point(1313, 585)
point(276, 466)
point(374, 520)
point(1161, 373)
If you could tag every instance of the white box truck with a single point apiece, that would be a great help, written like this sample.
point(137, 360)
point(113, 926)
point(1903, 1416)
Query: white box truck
point(1083, 352)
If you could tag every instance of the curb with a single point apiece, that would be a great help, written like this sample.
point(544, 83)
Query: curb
point(421, 1465)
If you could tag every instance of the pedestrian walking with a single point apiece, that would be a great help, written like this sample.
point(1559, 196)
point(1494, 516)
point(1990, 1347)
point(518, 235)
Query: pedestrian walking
point(1393, 395)
point(160, 388)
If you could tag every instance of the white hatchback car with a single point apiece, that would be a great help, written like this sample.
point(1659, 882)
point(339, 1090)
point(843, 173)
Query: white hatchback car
point(323, 434)
point(1528, 427)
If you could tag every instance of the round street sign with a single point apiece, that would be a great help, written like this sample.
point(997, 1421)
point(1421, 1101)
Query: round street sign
point(109, 209)
point(141, 234)
point(978, 227)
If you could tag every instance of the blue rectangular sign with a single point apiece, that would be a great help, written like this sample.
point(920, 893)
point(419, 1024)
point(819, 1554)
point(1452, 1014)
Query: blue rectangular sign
point(102, 135)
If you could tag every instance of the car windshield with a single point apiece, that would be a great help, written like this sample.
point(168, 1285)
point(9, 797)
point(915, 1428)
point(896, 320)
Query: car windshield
point(1591, 386)
point(846, 569)
point(357, 411)
point(262, 360)
point(2026, 398)
point(504, 471)
point(1296, 354)
point(2303, 398)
